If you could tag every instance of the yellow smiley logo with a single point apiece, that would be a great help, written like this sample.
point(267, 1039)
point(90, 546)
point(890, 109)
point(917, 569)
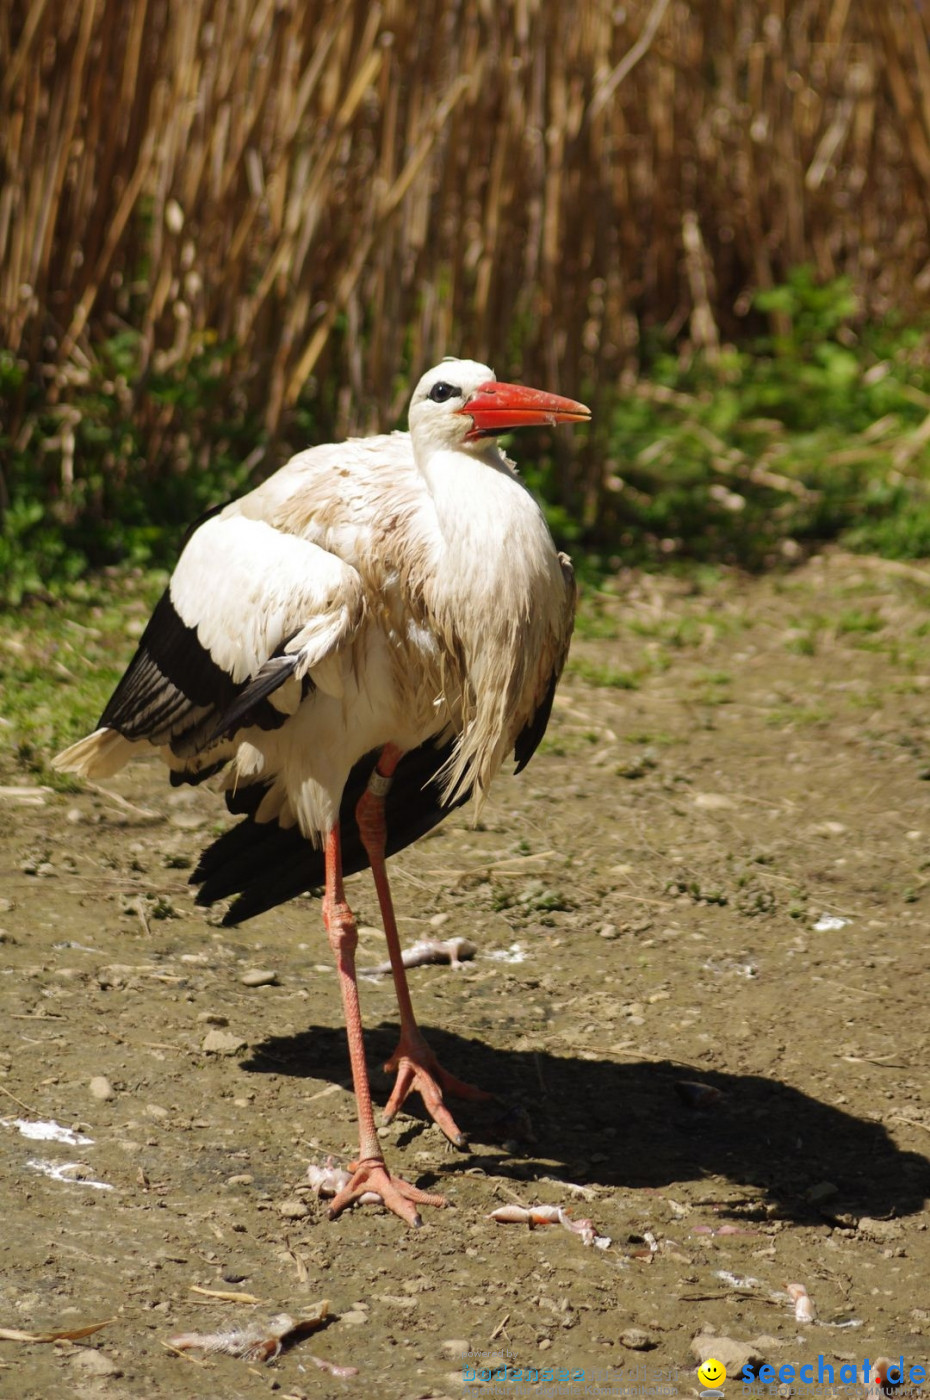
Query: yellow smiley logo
point(712, 1374)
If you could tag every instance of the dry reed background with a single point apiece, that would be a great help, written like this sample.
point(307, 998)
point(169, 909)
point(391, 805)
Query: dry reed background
point(346, 191)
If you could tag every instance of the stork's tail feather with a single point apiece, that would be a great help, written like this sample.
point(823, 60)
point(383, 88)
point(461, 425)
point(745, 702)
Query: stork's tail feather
point(97, 755)
point(265, 864)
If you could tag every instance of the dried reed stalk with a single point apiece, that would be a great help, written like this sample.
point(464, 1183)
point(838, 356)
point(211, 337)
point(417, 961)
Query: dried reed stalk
point(345, 193)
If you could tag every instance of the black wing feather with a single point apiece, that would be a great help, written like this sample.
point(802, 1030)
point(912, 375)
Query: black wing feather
point(248, 703)
point(173, 692)
point(171, 679)
point(528, 739)
point(265, 864)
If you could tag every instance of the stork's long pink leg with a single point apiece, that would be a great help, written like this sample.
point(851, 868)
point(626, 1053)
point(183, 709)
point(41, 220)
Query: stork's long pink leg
point(415, 1063)
point(369, 1173)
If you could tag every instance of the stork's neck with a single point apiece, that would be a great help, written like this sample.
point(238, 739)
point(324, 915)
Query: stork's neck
point(479, 503)
point(493, 539)
point(440, 465)
point(497, 600)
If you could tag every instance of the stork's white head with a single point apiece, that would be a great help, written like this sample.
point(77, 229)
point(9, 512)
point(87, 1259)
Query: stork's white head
point(460, 403)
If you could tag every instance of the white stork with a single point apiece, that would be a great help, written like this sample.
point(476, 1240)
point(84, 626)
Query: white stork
point(373, 629)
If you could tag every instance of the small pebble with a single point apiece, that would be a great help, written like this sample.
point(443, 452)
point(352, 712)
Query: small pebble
point(733, 1355)
point(293, 1209)
point(355, 1317)
point(101, 1088)
point(454, 1346)
point(75, 1171)
point(94, 1363)
point(222, 1043)
point(635, 1339)
point(713, 801)
point(258, 977)
point(823, 1191)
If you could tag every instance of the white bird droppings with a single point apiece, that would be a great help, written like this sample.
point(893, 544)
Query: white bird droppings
point(71, 1173)
point(516, 953)
point(49, 1131)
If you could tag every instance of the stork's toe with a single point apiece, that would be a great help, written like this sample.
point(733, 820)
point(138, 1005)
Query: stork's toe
point(418, 1069)
point(371, 1174)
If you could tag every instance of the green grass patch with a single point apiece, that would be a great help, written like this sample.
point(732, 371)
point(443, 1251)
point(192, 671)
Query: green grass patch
point(775, 446)
point(601, 675)
point(859, 621)
point(681, 633)
point(60, 660)
point(562, 743)
point(797, 716)
point(753, 458)
point(597, 618)
point(802, 643)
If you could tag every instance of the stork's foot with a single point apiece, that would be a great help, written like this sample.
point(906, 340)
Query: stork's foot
point(371, 1174)
point(418, 1069)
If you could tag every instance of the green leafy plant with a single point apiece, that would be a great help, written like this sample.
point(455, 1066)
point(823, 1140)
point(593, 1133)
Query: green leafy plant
point(810, 432)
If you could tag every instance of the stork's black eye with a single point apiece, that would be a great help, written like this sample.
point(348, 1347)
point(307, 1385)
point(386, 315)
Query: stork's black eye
point(441, 392)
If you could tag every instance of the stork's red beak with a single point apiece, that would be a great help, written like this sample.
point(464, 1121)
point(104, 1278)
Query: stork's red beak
point(495, 408)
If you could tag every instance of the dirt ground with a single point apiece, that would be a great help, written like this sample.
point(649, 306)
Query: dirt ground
point(715, 871)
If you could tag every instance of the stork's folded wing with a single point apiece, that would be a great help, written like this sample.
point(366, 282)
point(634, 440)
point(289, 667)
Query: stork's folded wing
point(252, 619)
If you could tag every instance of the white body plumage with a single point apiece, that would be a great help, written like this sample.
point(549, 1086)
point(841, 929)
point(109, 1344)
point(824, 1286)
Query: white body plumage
point(391, 589)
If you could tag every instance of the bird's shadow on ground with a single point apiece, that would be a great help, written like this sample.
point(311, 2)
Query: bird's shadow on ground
point(627, 1125)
